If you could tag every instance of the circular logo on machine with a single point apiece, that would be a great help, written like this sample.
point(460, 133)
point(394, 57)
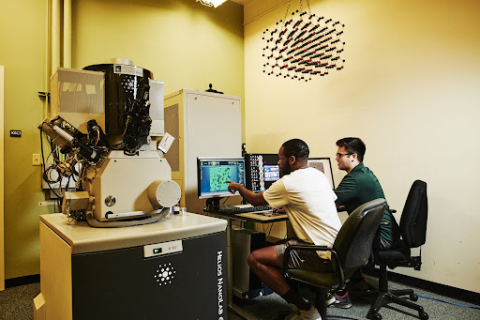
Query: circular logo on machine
point(129, 84)
point(165, 274)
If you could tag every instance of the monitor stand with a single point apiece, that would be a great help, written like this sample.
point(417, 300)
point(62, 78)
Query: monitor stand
point(213, 203)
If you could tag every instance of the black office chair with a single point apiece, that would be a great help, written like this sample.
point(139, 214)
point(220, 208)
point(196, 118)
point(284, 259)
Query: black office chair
point(351, 250)
point(413, 229)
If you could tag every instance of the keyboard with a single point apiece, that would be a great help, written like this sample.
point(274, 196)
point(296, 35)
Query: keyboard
point(241, 208)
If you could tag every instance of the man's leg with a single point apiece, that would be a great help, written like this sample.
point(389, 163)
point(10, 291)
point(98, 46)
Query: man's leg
point(265, 263)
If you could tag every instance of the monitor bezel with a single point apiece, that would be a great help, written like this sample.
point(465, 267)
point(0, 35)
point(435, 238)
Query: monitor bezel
point(219, 195)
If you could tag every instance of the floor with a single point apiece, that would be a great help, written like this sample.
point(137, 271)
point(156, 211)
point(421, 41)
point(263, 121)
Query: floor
point(437, 307)
point(16, 303)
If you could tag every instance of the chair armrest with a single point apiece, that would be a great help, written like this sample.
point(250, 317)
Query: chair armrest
point(314, 248)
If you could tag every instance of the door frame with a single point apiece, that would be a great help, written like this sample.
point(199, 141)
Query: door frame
point(2, 178)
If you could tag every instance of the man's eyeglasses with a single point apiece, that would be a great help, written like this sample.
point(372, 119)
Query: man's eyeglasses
point(339, 155)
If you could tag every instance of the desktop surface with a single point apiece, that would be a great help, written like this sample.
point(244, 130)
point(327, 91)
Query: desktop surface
point(241, 208)
point(82, 238)
point(261, 214)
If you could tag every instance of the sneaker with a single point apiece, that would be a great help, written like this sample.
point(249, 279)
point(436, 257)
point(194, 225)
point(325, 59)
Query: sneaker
point(342, 302)
point(310, 314)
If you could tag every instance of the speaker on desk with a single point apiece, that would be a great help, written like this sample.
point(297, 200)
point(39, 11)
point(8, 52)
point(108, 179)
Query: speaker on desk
point(244, 241)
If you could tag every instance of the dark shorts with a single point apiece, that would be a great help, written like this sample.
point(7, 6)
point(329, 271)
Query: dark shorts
point(303, 259)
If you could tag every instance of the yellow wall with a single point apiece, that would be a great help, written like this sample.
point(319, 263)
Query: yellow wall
point(2, 180)
point(23, 55)
point(183, 43)
point(410, 90)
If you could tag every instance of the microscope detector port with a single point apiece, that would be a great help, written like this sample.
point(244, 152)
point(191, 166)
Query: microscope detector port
point(110, 201)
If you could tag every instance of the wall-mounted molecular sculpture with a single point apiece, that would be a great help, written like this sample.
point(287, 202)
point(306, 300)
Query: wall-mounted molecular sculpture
point(303, 45)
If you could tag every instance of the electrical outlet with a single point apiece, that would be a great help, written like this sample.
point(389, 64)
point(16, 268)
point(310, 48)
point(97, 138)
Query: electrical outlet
point(46, 203)
point(36, 159)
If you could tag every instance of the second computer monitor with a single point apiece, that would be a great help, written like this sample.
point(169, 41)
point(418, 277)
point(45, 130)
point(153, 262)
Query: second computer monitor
point(261, 170)
point(324, 165)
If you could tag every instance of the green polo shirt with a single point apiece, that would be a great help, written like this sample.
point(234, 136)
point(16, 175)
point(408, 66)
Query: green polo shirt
point(361, 186)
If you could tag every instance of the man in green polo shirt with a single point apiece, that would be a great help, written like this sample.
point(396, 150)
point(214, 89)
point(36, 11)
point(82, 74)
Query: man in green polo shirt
point(360, 186)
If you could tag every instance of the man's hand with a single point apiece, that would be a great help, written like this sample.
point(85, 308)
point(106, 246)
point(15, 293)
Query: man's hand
point(255, 199)
point(233, 186)
point(280, 211)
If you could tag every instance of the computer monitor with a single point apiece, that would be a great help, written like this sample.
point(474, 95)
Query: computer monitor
point(324, 165)
point(262, 171)
point(212, 174)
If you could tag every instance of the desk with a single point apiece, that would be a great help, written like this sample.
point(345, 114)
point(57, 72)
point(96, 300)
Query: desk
point(150, 271)
point(239, 217)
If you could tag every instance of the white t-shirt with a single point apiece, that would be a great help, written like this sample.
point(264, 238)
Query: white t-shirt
point(310, 205)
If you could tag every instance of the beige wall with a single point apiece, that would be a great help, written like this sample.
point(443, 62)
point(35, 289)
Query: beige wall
point(184, 44)
point(410, 90)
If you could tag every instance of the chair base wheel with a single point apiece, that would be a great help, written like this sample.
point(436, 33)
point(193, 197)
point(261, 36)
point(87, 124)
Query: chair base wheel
point(377, 317)
point(423, 315)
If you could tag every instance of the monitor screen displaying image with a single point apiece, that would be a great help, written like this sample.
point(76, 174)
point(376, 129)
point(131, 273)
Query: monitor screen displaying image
point(271, 172)
point(262, 171)
point(213, 174)
point(324, 165)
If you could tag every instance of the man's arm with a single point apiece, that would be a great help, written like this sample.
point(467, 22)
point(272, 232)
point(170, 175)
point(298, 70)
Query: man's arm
point(251, 197)
point(346, 191)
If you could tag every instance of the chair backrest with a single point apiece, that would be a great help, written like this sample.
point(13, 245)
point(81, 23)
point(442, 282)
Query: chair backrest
point(354, 240)
point(413, 223)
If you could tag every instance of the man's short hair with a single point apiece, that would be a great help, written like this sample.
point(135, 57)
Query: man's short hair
point(353, 145)
point(297, 148)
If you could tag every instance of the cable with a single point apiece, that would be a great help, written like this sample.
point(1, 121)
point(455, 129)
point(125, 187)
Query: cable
point(43, 160)
point(226, 199)
point(449, 302)
point(441, 300)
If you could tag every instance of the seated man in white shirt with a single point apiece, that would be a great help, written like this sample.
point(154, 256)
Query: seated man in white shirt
point(309, 202)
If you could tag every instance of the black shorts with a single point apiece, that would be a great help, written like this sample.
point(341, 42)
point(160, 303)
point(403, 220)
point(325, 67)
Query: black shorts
point(303, 259)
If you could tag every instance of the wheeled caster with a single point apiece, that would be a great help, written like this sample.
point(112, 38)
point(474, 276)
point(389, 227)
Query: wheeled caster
point(377, 316)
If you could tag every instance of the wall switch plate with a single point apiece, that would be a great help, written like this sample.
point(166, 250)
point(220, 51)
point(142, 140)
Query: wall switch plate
point(36, 159)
